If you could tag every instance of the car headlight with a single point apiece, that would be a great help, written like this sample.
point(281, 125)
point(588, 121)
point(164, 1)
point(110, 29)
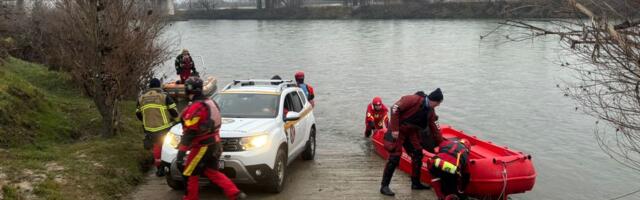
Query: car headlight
point(253, 142)
point(172, 140)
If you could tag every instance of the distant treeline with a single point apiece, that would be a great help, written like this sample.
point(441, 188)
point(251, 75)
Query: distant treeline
point(393, 11)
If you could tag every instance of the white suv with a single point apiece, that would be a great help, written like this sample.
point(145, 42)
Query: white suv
point(266, 124)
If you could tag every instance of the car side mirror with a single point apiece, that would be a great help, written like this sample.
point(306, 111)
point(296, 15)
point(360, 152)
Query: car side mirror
point(292, 116)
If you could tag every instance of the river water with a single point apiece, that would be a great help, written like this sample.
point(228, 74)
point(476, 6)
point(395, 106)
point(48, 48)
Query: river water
point(503, 92)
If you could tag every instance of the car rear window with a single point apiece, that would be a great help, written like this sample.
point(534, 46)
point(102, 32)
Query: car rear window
point(247, 105)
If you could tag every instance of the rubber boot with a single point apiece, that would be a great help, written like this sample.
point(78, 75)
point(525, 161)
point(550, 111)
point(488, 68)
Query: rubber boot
point(392, 163)
point(241, 196)
point(160, 172)
point(386, 191)
point(367, 133)
point(389, 168)
point(416, 185)
point(157, 149)
point(419, 186)
point(416, 166)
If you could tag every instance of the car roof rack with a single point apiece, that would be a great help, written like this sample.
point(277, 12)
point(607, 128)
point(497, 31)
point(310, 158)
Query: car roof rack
point(282, 84)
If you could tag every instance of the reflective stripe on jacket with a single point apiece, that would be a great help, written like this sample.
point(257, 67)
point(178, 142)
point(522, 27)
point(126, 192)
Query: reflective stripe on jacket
point(155, 111)
point(452, 157)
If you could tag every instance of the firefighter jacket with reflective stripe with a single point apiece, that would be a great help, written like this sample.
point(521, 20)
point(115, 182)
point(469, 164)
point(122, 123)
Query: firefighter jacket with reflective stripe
point(157, 110)
point(379, 118)
point(201, 123)
point(452, 157)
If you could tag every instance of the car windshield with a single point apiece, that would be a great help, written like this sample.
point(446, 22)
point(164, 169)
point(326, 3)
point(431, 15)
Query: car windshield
point(247, 105)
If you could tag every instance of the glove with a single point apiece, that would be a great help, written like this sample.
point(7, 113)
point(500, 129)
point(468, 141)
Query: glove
point(389, 141)
point(371, 125)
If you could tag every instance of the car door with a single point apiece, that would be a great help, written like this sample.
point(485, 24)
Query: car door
point(302, 133)
point(306, 105)
point(289, 126)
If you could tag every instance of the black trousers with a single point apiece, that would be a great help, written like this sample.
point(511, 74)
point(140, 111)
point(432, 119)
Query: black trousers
point(394, 161)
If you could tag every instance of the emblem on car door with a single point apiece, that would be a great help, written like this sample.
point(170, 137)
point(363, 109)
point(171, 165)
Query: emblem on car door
point(291, 134)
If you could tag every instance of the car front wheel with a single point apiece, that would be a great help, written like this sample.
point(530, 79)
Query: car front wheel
point(174, 184)
point(277, 180)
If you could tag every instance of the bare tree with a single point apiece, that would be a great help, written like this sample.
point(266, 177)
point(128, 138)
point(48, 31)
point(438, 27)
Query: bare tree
point(9, 15)
point(28, 29)
point(605, 38)
point(270, 4)
point(7, 18)
point(208, 5)
point(112, 45)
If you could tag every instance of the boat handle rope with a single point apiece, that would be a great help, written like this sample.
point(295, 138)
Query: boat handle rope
point(495, 161)
point(504, 179)
point(505, 174)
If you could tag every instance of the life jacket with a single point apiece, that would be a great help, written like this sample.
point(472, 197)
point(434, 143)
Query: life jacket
point(451, 158)
point(214, 123)
point(421, 117)
point(304, 88)
point(155, 112)
point(378, 117)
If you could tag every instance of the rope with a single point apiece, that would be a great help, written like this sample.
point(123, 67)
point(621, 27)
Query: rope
point(505, 177)
point(504, 180)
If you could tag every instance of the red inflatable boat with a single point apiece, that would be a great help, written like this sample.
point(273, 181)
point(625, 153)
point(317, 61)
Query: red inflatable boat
point(496, 171)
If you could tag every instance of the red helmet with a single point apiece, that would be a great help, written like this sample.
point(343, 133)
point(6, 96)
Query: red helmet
point(377, 101)
point(299, 75)
point(465, 142)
